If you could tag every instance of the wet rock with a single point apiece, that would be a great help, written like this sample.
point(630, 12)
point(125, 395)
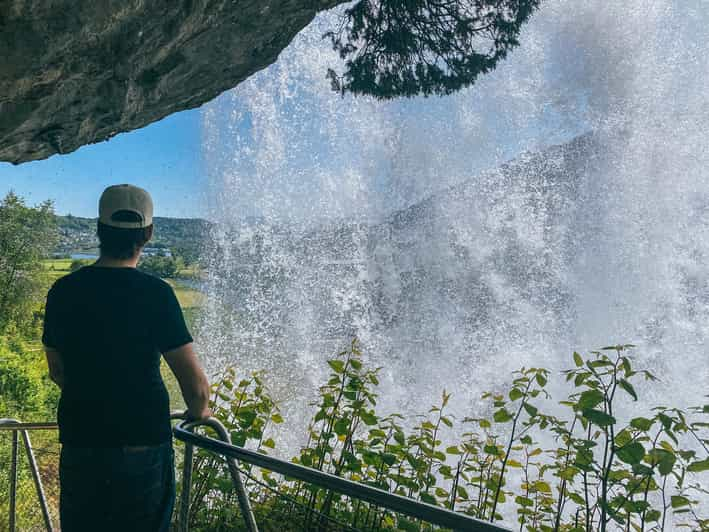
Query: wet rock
point(74, 72)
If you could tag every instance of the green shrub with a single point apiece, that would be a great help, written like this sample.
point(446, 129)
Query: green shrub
point(163, 267)
point(590, 473)
point(26, 391)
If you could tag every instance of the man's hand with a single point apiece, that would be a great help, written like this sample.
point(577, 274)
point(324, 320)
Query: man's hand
point(192, 380)
point(198, 416)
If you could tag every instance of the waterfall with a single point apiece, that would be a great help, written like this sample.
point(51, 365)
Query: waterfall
point(560, 204)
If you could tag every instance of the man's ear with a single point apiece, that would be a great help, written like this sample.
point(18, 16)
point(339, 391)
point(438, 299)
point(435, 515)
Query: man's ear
point(148, 233)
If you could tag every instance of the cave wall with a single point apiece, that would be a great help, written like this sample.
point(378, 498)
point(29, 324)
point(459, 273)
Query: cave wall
point(74, 72)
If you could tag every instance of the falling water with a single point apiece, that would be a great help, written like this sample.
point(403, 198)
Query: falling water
point(561, 203)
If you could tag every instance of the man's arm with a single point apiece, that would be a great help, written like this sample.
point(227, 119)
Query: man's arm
point(192, 380)
point(56, 366)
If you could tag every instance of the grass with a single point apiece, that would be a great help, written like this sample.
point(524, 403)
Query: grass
point(56, 268)
point(189, 298)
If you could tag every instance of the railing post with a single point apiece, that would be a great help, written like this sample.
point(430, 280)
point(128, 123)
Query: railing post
point(37, 481)
point(186, 486)
point(241, 494)
point(13, 482)
point(243, 497)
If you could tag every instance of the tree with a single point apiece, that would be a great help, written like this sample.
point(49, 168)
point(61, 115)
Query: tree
point(27, 235)
point(408, 47)
point(164, 267)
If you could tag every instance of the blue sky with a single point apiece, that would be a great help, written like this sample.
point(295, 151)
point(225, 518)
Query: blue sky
point(163, 157)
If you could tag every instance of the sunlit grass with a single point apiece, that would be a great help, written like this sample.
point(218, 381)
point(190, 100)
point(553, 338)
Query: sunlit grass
point(56, 268)
point(188, 297)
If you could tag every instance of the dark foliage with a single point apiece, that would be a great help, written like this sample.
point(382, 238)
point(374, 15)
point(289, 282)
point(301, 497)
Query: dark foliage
point(163, 267)
point(409, 47)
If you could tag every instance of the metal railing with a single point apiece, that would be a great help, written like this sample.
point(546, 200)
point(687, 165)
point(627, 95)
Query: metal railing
point(184, 431)
point(17, 428)
point(434, 515)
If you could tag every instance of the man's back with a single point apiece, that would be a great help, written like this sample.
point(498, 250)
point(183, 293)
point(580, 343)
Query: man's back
point(110, 325)
point(105, 327)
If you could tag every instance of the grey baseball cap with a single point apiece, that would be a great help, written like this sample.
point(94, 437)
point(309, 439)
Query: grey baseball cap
point(119, 199)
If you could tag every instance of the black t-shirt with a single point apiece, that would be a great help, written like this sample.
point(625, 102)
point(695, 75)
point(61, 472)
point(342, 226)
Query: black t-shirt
point(110, 326)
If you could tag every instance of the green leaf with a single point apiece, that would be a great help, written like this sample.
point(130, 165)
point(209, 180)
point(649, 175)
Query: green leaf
point(238, 438)
point(664, 460)
point(277, 418)
point(531, 410)
point(388, 458)
point(356, 364)
point(269, 443)
point(502, 416)
point(524, 501)
point(246, 418)
point(666, 421)
point(697, 467)
point(628, 388)
point(542, 486)
point(425, 497)
point(515, 393)
point(342, 426)
point(491, 449)
point(598, 417)
point(369, 418)
point(641, 423)
point(678, 501)
point(578, 360)
point(626, 366)
point(631, 453)
point(541, 380)
point(337, 365)
point(624, 437)
point(590, 398)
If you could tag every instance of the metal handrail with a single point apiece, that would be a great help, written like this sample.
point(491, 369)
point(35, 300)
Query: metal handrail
point(435, 515)
point(184, 431)
point(242, 496)
point(17, 427)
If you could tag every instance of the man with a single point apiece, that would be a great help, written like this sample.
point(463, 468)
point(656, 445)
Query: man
point(105, 328)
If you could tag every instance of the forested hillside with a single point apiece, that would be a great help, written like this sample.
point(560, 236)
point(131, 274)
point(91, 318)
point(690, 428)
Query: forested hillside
point(186, 235)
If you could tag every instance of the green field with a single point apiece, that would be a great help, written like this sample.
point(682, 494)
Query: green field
point(188, 297)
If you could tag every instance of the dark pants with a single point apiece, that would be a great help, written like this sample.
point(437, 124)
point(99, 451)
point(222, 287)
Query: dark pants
point(117, 489)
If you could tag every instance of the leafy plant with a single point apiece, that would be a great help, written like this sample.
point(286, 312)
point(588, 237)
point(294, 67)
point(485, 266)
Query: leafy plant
point(578, 470)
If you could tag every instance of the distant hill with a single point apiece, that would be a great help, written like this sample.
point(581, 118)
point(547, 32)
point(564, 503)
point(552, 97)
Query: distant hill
point(183, 235)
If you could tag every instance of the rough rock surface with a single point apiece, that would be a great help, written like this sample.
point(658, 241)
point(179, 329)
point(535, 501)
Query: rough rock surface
point(74, 72)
